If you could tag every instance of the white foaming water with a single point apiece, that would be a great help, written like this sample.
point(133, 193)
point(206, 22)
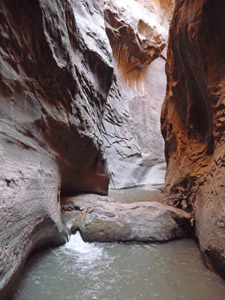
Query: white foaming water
point(89, 251)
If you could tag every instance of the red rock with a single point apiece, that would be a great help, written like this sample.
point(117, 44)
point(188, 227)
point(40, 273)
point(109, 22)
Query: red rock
point(193, 120)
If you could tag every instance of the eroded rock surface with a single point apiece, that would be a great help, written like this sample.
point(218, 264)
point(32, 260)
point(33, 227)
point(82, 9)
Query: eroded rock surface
point(193, 120)
point(137, 31)
point(103, 219)
point(53, 94)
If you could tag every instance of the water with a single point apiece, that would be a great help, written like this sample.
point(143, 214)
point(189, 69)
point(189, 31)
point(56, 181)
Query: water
point(84, 271)
point(137, 194)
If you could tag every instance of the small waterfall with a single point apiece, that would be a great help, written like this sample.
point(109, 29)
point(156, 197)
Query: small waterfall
point(89, 252)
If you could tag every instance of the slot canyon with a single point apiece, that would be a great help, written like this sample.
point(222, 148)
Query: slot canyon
point(100, 96)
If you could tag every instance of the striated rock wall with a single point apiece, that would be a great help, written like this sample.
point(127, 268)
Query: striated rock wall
point(137, 31)
point(56, 69)
point(53, 94)
point(193, 120)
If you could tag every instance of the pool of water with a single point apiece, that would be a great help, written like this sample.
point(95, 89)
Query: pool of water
point(116, 271)
point(137, 194)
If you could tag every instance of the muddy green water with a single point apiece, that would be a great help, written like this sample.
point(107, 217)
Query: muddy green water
point(116, 271)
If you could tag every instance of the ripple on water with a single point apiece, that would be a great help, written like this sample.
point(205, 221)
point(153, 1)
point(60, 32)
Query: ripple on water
point(85, 271)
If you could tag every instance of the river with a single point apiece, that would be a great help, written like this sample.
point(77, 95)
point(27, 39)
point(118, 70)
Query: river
point(117, 271)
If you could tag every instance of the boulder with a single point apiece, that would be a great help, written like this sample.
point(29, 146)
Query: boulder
point(105, 220)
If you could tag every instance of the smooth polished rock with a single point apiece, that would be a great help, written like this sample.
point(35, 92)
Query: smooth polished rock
point(53, 94)
point(133, 143)
point(105, 220)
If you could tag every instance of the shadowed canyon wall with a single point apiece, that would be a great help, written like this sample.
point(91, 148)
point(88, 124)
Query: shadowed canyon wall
point(53, 94)
point(82, 81)
point(64, 65)
point(193, 121)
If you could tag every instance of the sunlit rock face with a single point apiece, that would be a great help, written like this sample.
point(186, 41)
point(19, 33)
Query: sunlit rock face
point(193, 120)
point(137, 31)
point(53, 93)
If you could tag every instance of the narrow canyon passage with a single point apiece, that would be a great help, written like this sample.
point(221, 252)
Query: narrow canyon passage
point(111, 130)
point(119, 271)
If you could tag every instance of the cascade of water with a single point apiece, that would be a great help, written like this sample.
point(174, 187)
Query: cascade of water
point(86, 251)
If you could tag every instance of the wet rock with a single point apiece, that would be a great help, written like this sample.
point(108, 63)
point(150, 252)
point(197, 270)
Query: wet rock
point(70, 206)
point(193, 120)
point(137, 31)
point(103, 221)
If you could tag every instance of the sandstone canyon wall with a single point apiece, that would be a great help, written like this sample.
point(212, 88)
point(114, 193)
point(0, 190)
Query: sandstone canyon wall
point(64, 65)
point(137, 31)
point(53, 94)
point(193, 121)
